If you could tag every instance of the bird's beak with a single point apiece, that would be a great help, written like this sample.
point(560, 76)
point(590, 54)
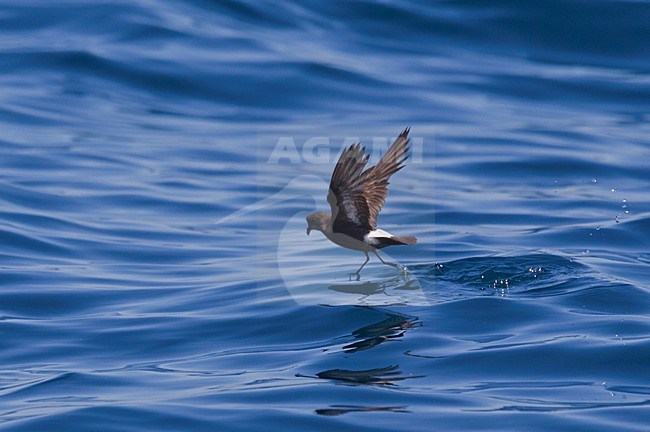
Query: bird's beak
point(308, 230)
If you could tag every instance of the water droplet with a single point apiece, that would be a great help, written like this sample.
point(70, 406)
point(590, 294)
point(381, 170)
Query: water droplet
point(598, 228)
point(586, 251)
point(594, 180)
point(613, 189)
point(625, 206)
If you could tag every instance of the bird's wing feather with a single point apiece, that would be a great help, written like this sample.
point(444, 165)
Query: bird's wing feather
point(357, 196)
point(347, 206)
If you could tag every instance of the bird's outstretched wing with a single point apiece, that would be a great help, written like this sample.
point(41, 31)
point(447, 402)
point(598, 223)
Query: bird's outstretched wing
point(356, 196)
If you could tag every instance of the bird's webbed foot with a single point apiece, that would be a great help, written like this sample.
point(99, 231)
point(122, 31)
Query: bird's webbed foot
point(355, 276)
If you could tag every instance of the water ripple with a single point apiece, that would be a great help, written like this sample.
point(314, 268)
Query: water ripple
point(130, 128)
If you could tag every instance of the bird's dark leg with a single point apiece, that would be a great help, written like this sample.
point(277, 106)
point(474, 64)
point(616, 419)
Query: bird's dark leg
point(385, 262)
point(362, 265)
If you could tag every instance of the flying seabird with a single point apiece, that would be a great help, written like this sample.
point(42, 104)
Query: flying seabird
point(356, 197)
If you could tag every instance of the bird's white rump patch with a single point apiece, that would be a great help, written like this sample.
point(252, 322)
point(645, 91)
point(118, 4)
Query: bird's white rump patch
point(372, 236)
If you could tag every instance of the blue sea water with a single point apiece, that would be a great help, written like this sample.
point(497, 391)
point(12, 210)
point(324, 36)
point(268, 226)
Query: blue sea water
point(157, 160)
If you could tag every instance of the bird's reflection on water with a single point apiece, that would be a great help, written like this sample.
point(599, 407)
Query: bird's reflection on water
point(392, 327)
point(344, 409)
point(372, 335)
point(382, 376)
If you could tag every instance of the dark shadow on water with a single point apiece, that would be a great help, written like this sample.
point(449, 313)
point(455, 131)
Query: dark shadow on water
point(371, 288)
point(366, 288)
point(398, 290)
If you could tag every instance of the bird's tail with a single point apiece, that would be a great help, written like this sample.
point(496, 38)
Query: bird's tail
point(405, 240)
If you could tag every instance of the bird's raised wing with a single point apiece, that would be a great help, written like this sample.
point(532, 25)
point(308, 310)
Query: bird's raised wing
point(357, 196)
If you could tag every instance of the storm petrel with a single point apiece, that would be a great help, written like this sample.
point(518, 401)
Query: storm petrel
point(356, 197)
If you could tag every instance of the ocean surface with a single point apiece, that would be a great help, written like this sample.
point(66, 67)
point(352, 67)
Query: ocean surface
point(157, 161)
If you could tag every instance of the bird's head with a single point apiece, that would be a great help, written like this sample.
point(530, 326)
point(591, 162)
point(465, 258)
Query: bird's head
point(318, 221)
